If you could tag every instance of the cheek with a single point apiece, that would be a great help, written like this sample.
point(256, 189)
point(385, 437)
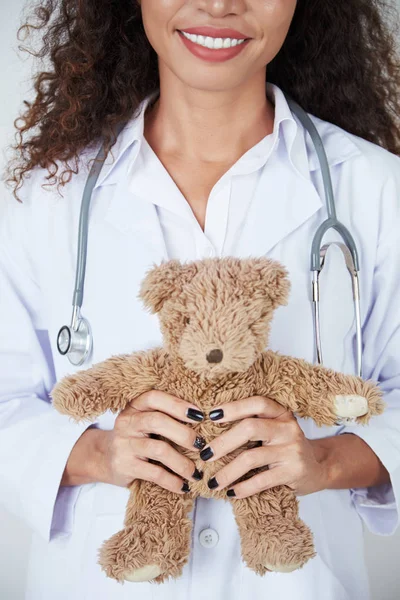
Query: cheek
point(274, 18)
point(160, 19)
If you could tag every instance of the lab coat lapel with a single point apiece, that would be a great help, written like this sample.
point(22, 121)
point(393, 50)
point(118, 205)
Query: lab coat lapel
point(137, 218)
point(290, 190)
point(283, 200)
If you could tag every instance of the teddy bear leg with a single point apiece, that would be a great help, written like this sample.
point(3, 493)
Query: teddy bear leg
point(273, 537)
point(156, 539)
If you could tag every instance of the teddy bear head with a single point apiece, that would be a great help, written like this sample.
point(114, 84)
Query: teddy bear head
point(215, 314)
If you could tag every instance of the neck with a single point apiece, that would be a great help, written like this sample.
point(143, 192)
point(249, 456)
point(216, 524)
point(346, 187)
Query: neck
point(205, 126)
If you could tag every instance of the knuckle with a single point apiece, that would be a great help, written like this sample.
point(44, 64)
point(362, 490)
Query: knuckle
point(296, 449)
point(293, 429)
point(152, 397)
point(249, 459)
point(122, 420)
point(158, 449)
point(297, 457)
point(249, 427)
point(148, 446)
point(152, 421)
point(144, 397)
point(262, 404)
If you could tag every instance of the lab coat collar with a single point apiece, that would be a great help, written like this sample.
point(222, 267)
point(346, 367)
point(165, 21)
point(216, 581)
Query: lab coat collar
point(299, 147)
point(271, 218)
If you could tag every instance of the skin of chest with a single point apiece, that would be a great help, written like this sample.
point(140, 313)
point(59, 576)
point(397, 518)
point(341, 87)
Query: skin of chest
point(195, 181)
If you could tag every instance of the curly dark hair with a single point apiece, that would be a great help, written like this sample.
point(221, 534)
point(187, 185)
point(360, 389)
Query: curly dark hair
point(339, 61)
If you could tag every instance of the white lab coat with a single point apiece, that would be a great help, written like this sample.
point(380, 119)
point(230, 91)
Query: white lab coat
point(37, 265)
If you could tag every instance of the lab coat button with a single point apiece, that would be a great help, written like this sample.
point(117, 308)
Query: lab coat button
point(208, 538)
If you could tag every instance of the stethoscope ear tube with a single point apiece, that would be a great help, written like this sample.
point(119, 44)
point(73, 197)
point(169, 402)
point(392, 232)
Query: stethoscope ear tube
point(348, 248)
point(356, 300)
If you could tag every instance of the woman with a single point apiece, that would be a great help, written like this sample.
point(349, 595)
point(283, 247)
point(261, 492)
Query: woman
point(211, 163)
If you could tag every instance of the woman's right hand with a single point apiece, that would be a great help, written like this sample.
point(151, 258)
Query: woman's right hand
point(127, 448)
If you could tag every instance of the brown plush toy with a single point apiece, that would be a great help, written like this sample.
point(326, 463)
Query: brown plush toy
point(215, 316)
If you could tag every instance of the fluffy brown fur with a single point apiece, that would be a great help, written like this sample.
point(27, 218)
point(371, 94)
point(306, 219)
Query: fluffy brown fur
point(224, 304)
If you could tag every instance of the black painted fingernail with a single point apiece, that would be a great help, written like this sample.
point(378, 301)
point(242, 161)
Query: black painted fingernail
point(185, 487)
point(195, 415)
point(206, 453)
point(199, 442)
point(212, 483)
point(197, 474)
point(216, 414)
point(231, 493)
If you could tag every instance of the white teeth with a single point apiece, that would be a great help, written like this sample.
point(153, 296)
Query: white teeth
point(213, 43)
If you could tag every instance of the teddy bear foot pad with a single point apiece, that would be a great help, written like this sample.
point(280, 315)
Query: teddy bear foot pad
point(146, 573)
point(351, 406)
point(283, 568)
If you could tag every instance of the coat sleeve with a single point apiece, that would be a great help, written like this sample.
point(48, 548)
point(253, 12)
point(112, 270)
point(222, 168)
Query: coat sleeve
point(35, 440)
point(379, 506)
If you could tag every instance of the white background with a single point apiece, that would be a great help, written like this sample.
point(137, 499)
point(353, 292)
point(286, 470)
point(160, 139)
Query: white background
point(383, 553)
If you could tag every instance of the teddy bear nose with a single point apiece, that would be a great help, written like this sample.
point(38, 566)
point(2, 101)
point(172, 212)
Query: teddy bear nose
point(214, 356)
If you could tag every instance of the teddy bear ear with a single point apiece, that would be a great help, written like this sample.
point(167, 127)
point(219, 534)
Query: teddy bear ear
point(164, 281)
point(271, 280)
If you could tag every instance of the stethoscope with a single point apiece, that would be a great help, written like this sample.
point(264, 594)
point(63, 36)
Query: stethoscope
point(76, 341)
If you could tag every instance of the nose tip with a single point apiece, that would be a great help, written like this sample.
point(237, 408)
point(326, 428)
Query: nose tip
point(214, 356)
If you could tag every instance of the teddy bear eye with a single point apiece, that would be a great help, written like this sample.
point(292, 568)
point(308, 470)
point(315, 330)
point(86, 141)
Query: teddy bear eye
point(186, 320)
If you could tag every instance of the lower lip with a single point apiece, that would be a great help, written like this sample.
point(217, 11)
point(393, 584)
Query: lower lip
point(217, 55)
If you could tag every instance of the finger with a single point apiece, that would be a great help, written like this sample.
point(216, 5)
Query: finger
point(161, 424)
point(161, 477)
point(248, 430)
point(164, 453)
point(244, 463)
point(260, 406)
point(168, 404)
point(258, 483)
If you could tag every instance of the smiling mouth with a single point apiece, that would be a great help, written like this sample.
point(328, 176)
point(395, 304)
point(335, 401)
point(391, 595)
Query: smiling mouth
point(213, 43)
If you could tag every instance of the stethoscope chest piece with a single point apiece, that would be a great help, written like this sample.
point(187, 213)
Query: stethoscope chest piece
point(75, 341)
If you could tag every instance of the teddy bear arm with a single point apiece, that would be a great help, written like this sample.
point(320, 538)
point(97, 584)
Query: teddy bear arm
point(108, 385)
point(326, 395)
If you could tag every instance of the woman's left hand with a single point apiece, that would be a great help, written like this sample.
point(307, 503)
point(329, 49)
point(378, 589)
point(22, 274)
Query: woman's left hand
point(290, 456)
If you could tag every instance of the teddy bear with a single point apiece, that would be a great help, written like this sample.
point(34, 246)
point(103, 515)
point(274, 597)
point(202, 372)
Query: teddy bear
point(215, 315)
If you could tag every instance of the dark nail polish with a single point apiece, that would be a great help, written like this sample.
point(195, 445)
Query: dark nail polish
point(195, 415)
point(231, 493)
point(199, 442)
point(216, 414)
point(212, 483)
point(185, 487)
point(197, 474)
point(206, 454)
